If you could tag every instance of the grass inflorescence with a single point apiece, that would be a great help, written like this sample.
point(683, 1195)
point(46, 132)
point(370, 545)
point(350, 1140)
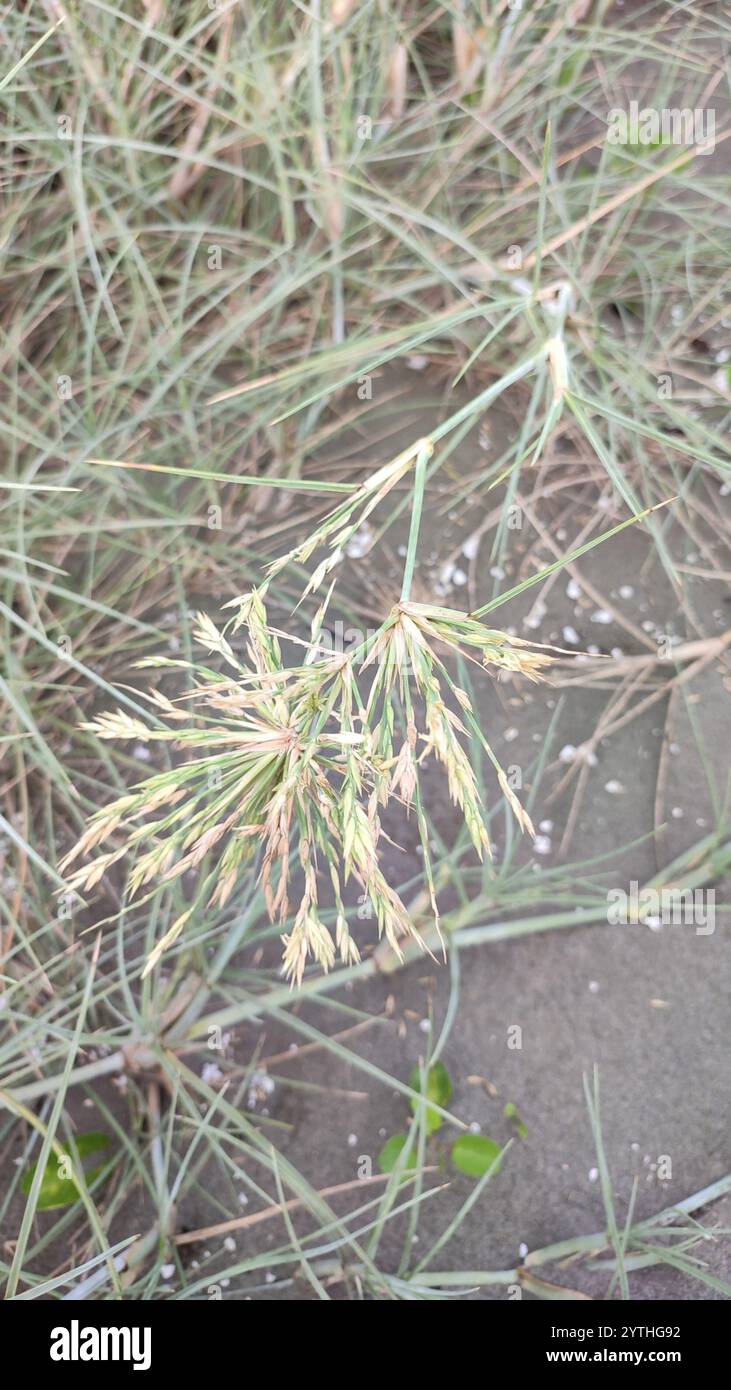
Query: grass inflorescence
point(300, 761)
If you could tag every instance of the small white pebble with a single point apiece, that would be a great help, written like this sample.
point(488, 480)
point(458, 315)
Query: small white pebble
point(567, 754)
point(510, 734)
point(229, 1243)
point(593, 1174)
point(459, 578)
point(573, 590)
point(497, 572)
point(536, 616)
point(522, 1250)
point(546, 826)
point(677, 813)
point(571, 636)
point(352, 1140)
point(361, 542)
point(614, 787)
point(593, 986)
point(542, 844)
point(261, 1086)
point(602, 615)
point(626, 591)
point(425, 1025)
point(167, 1271)
point(141, 752)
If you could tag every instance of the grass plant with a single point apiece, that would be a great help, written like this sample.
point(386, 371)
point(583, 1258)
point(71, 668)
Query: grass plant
point(224, 232)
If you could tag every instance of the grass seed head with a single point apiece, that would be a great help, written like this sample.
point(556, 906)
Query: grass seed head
point(281, 757)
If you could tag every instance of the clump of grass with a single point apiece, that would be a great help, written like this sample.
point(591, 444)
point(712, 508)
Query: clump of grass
point(238, 133)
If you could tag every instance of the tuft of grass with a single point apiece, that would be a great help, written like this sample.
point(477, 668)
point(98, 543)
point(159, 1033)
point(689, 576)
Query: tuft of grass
point(220, 228)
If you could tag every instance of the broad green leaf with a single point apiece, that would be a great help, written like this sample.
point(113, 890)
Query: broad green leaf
point(474, 1154)
point(391, 1152)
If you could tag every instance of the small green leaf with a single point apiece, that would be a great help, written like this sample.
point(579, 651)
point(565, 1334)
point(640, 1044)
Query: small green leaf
point(438, 1088)
point(391, 1152)
point(474, 1154)
point(511, 1113)
point(58, 1188)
